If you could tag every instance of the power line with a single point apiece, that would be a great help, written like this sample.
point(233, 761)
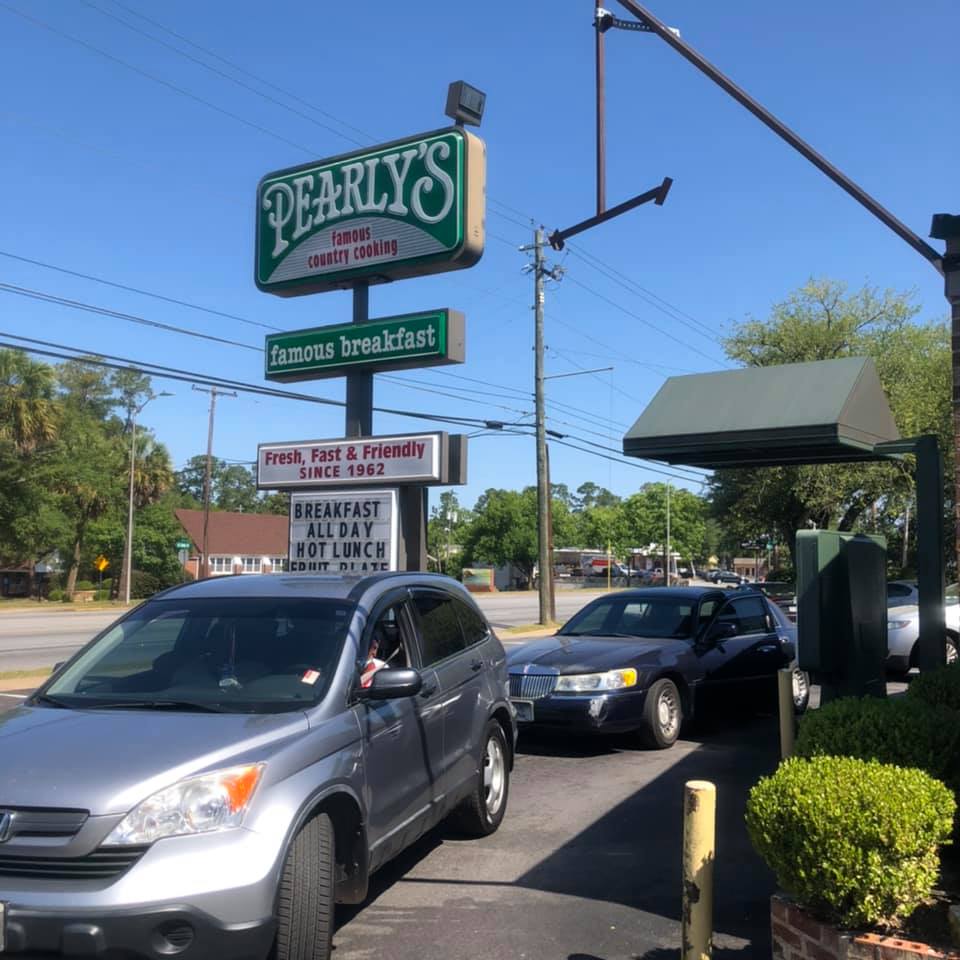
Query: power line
point(655, 301)
point(118, 315)
point(129, 289)
point(150, 76)
point(643, 320)
point(174, 373)
point(221, 73)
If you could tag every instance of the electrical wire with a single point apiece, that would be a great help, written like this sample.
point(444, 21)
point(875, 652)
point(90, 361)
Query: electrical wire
point(129, 289)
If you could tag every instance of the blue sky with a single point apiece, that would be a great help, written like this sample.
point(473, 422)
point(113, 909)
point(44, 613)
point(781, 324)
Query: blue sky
point(112, 173)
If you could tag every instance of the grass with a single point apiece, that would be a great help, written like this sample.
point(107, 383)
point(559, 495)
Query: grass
point(51, 606)
point(26, 674)
point(528, 628)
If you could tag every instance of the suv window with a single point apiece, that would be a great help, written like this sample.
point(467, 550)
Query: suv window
point(475, 629)
point(748, 614)
point(439, 625)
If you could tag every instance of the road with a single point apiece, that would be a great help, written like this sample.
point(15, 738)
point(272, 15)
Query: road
point(40, 639)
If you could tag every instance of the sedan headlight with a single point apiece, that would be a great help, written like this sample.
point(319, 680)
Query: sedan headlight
point(589, 682)
point(897, 624)
point(213, 801)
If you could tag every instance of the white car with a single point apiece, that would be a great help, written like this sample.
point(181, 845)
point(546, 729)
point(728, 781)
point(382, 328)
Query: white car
point(903, 629)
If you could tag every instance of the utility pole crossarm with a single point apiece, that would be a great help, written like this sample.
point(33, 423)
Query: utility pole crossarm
point(785, 133)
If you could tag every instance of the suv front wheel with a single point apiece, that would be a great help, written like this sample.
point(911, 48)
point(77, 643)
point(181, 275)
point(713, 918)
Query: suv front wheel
point(482, 812)
point(305, 900)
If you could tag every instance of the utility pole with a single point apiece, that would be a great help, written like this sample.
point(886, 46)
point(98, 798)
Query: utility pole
point(666, 566)
point(545, 559)
point(204, 570)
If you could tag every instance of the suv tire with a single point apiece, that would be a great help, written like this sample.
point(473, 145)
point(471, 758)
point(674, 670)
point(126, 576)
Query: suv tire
point(305, 898)
point(482, 812)
point(662, 715)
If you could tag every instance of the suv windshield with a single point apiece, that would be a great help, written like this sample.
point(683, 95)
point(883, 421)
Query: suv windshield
point(657, 617)
point(236, 655)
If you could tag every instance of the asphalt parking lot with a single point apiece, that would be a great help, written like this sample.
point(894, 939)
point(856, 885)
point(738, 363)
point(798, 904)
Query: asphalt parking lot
point(586, 865)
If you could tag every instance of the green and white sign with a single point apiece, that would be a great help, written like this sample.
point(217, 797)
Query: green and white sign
point(426, 339)
point(402, 209)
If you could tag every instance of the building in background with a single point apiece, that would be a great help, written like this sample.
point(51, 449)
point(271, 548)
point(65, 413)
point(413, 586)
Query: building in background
point(237, 542)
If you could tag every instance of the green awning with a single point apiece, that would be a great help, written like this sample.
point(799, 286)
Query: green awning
point(827, 411)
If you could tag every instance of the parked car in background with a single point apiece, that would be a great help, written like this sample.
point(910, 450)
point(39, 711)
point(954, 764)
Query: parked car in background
point(902, 593)
point(209, 775)
point(642, 660)
point(728, 576)
point(903, 631)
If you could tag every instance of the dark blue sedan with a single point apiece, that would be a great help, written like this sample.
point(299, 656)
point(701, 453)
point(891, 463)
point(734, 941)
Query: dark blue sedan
point(639, 660)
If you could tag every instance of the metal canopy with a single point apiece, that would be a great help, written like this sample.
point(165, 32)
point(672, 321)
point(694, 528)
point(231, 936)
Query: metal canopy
point(828, 411)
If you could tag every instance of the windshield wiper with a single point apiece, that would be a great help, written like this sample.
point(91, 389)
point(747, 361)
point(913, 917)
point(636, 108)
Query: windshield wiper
point(50, 701)
point(185, 705)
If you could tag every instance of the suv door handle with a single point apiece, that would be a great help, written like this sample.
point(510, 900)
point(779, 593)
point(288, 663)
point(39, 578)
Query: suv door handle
point(768, 648)
point(476, 665)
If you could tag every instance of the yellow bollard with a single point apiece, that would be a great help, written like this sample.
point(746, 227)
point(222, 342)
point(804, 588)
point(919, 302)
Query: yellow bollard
point(699, 829)
point(785, 707)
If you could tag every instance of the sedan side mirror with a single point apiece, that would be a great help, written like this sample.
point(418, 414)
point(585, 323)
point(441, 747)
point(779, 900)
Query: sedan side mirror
point(57, 666)
point(720, 631)
point(392, 684)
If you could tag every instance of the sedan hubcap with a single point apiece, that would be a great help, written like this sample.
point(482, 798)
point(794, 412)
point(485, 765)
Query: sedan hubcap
point(951, 650)
point(494, 776)
point(667, 713)
point(800, 687)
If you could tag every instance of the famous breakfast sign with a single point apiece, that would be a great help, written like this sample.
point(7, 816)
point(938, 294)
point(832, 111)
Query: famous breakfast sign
point(407, 208)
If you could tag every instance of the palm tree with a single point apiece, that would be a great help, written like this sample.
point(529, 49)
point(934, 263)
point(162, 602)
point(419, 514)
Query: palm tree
point(152, 471)
point(28, 410)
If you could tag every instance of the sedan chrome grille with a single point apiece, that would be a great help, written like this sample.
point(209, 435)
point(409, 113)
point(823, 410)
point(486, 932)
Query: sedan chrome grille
point(42, 822)
point(532, 686)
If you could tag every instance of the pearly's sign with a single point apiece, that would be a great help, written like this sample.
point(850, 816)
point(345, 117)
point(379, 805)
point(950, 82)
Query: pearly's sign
point(350, 531)
point(409, 458)
point(403, 209)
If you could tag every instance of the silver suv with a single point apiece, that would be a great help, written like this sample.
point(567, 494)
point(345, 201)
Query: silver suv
point(214, 771)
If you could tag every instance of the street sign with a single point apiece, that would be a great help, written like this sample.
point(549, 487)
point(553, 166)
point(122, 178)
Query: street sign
point(101, 563)
point(402, 209)
point(427, 458)
point(183, 544)
point(426, 339)
point(347, 531)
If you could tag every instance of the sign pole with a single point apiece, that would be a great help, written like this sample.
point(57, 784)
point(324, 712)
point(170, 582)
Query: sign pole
point(359, 410)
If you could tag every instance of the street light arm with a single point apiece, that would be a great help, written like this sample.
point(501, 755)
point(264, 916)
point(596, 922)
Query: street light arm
point(785, 133)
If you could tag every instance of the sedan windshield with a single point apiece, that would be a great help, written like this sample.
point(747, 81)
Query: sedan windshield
point(236, 655)
point(626, 616)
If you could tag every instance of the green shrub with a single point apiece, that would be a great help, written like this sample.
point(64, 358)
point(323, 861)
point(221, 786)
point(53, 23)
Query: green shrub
point(938, 687)
point(85, 585)
point(55, 595)
point(901, 731)
point(66, 598)
point(143, 584)
point(855, 842)
point(101, 595)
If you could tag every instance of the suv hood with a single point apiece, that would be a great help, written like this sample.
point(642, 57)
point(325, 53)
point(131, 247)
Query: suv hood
point(107, 761)
point(586, 654)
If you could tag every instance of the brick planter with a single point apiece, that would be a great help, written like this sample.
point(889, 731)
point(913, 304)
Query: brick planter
point(798, 936)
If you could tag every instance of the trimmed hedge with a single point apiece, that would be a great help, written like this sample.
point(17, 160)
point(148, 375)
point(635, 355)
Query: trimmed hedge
point(940, 688)
point(901, 731)
point(856, 842)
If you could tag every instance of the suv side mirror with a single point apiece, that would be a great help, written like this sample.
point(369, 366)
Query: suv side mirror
point(391, 684)
point(720, 631)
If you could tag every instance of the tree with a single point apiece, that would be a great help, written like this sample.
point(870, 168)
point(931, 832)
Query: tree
point(28, 409)
point(233, 486)
point(822, 321)
point(645, 519)
point(504, 529)
point(591, 495)
point(445, 530)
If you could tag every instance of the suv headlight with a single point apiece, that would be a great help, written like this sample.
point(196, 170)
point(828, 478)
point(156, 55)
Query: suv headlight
point(589, 682)
point(212, 801)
